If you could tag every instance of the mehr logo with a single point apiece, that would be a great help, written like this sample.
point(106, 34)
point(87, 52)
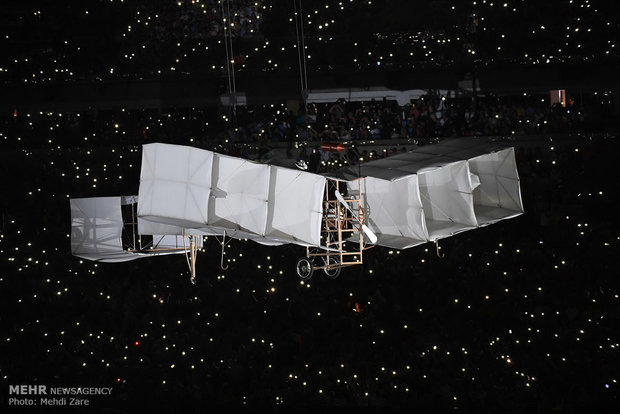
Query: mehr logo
point(28, 389)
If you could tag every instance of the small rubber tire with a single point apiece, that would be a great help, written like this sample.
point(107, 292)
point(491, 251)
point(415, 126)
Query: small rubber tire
point(332, 273)
point(304, 268)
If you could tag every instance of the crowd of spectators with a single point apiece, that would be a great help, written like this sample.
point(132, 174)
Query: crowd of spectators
point(111, 39)
point(427, 116)
point(107, 40)
point(182, 20)
point(254, 131)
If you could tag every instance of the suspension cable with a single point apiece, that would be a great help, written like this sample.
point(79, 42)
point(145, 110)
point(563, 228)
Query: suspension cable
point(301, 52)
point(232, 63)
point(229, 53)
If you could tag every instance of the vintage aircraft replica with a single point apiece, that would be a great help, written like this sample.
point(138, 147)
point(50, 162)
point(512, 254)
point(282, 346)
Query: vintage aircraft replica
point(187, 193)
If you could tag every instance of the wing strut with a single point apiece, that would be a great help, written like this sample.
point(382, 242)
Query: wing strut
point(191, 255)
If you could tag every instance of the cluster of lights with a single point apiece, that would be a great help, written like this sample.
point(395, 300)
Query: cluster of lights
point(517, 310)
point(377, 333)
point(188, 37)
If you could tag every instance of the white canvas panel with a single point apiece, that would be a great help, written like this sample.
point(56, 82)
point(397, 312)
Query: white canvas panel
point(126, 256)
point(409, 204)
point(389, 163)
point(446, 194)
point(397, 242)
point(227, 231)
point(240, 189)
point(488, 215)
point(426, 156)
point(96, 225)
point(147, 227)
point(110, 257)
point(394, 208)
point(499, 194)
point(167, 241)
point(396, 166)
point(96, 230)
point(371, 171)
point(295, 206)
point(242, 235)
point(268, 242)
point(175, 184)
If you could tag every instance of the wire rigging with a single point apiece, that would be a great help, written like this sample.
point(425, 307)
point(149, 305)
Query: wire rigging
point(301, 53)
point(230, 59)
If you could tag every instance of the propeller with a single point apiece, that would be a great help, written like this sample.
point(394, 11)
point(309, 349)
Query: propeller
point(369, 233)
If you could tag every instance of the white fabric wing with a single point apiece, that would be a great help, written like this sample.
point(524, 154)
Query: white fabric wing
point(185, 190)
point(447, 197)
point(239, 194)
point(499, 195)
point(295, 206)
point(96, 227)
point(175, 185)
point(395, 211)
point(463, 184)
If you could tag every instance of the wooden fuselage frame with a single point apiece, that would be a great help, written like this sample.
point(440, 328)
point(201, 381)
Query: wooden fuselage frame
point(339, 226)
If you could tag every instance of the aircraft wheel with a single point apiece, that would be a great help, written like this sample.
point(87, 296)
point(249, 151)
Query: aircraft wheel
point(332, 273)
point(304, 268)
